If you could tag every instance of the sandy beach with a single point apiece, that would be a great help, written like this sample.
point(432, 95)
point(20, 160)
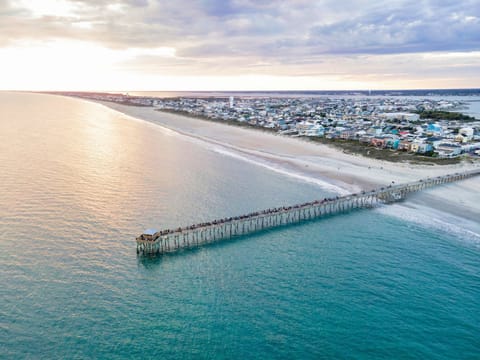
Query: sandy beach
point(318, 163)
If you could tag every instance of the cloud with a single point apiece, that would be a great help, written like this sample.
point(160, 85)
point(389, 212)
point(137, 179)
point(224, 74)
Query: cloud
point(410, 28)
point(304, 26)
point(297, 38)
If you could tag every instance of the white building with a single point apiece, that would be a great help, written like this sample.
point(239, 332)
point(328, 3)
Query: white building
point(400, 116)
point(466, 132)
point(310, 128)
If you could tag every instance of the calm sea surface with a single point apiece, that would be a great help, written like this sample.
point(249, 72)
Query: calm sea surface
point(78, 182)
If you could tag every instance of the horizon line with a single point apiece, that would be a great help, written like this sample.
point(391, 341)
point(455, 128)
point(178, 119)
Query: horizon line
point(226, 91)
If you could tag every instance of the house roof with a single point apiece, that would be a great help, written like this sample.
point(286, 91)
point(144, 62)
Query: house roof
point(435, 138)
point(448, 145)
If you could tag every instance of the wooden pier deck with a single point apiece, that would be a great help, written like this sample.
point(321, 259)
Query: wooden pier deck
point(163, 241)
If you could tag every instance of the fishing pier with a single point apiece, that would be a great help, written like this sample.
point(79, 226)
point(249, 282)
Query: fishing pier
point(153, 241)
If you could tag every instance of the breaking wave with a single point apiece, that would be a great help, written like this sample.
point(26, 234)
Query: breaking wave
point(280, 170)
point(434, 219)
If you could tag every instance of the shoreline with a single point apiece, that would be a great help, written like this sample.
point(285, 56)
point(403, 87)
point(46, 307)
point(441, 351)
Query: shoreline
point(352, 147)
point(325, 165)
point(295, 152)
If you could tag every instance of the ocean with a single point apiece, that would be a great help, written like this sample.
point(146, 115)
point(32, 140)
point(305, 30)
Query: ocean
point(79, 181)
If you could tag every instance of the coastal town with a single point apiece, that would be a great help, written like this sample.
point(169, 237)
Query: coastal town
point(426, 127)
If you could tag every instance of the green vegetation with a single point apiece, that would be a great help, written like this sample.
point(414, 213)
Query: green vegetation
point(221, 121)
point(444, 115)
point(354, 147)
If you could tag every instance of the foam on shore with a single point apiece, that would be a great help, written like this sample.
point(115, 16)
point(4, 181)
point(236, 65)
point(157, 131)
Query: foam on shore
point(463, 229)
point(329, 168)
point(278, 169)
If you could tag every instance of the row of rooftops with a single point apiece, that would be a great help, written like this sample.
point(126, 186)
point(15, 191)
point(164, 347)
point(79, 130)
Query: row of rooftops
point(365, 119)
point(351, 119)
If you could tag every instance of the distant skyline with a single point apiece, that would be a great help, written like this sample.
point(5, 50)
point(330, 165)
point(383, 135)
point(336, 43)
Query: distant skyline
point(238, 45)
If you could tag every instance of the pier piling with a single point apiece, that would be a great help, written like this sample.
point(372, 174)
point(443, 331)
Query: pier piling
point(196, 235)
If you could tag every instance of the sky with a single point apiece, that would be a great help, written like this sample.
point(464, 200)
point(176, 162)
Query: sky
point(117, 45)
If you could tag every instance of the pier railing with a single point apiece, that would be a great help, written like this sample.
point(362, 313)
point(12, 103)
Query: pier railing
point(199, 234)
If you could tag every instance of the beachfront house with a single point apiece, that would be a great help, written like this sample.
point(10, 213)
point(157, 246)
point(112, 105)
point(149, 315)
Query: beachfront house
point(448, 150)
point(378, 141)
point(414, 147)
point(348, 134)
point(405, 145)
point(420, 146)
point(365, 139)
point(315, 130)
point(392, 143)
point(424, 148)
point(469, 148)
point(310, 128)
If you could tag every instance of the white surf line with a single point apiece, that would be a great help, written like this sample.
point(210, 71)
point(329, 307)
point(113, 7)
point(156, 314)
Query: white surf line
point(252, 157)
point(280, 170)
point(436, 220)
point(431, 218)
point(236, 152)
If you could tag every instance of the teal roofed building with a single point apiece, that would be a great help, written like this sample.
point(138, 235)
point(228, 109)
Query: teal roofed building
point(393, 143)
point(434, 129)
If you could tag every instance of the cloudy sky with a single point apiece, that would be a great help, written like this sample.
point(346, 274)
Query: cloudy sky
point(238, 44)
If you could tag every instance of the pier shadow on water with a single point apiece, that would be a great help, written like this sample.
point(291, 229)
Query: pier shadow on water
point(295, 215)
point(151, 261)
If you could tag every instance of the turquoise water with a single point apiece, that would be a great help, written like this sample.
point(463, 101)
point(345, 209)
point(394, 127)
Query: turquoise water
point(79, 182)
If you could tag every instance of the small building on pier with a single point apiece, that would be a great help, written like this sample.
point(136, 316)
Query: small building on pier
point(149, 235)
point(153, 241)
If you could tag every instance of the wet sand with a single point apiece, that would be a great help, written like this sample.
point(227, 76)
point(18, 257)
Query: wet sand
point(344, 173)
